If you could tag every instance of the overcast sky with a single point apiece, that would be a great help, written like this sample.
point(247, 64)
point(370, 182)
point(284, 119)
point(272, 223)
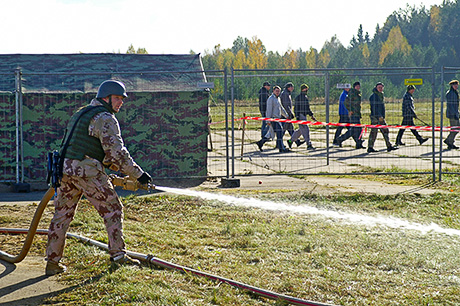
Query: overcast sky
point(178, 26)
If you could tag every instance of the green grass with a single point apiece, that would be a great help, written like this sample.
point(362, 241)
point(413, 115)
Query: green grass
point(305, 256)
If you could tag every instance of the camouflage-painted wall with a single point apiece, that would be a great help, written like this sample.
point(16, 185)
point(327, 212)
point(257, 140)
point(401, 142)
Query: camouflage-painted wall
point(166, 133)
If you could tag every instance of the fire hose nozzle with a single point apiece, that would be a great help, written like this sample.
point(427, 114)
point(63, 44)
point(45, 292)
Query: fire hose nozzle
point(127, 183)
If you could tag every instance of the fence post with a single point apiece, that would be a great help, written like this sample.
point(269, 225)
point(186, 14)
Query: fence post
point(326, 95)
point(20, 186)
point(18, 94)
point(233, 123)
point(433, 146)
point(230, 182)
point(441, 123)
point(227, 155)
point(242, 136)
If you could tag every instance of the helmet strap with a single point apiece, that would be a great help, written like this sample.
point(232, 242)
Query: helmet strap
point(109, 104)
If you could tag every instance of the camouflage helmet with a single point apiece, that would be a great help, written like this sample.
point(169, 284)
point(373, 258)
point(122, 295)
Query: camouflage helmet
point(111, 87)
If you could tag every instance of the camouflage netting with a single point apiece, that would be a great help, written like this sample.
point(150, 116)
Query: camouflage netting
point(64, 73)
point(163, 122)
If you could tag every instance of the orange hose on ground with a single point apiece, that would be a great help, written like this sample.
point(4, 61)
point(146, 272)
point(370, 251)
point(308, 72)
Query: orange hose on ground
point(32, 230)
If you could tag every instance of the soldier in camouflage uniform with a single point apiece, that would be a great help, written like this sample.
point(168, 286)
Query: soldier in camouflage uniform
point(95, 143)
point(353, 104)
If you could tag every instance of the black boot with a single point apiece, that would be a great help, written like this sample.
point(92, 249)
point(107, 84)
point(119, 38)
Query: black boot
point(260, 144)
point(359, 145)
point(422, 140)
point(298, 142)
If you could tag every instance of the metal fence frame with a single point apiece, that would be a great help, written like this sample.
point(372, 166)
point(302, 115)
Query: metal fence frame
point(326, 73)
point(445, 71)
point(18, 93)
point(229, 89)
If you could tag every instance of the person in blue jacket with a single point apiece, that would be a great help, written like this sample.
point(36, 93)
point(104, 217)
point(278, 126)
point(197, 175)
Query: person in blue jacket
point(343, 115)
point(378, 117)
point(452, 113)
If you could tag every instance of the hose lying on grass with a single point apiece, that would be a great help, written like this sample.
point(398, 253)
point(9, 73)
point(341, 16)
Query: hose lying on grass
point(168, 265)
point(142, 257)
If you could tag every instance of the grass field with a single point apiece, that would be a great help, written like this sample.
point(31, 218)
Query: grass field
point(308, 256)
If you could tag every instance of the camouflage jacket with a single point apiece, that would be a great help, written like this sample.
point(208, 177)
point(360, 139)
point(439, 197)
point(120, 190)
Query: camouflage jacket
point(106, 128)
point(353, 102)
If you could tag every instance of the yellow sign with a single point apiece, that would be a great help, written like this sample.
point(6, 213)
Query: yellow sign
point(413, 81)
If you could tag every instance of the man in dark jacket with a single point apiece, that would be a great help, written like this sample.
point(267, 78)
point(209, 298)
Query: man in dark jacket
point(286, 101)
point(408, 113)
point(264, 93)
point(452, 113)
point(301, 110)
point(378, 117)
point(353, 105)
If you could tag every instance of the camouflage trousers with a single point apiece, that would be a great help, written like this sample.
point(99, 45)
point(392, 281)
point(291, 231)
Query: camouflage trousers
point(100, 192)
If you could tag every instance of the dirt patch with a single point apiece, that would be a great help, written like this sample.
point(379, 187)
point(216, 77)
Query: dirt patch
point(25, 283)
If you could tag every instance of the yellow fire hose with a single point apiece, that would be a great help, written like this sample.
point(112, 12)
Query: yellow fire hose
point(32, 230)
point(126, 182)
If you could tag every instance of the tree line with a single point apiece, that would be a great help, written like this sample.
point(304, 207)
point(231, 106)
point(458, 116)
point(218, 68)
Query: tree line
point(410, 37)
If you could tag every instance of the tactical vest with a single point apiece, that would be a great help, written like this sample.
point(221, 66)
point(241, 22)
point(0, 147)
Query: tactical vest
point(82, 143)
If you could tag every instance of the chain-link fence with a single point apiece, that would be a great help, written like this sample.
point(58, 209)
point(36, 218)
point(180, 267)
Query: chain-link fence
point(164, 122)
point(323, 94)
point(448, 159)
point(199, 132)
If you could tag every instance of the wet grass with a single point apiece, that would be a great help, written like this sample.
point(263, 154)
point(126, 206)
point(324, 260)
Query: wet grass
point(305, 256)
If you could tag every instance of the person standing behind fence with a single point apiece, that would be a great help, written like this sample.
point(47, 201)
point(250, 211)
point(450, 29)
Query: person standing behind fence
point(408, 113)
point(353, 105)
point(378, 117)
point(301, 110)
point(275, 110)
point(264, 93)
point(286, 101)
point(343, 114)
point(452, 113)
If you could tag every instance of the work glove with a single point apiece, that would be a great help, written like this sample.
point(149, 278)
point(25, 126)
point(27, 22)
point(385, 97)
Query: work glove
point(144, 179)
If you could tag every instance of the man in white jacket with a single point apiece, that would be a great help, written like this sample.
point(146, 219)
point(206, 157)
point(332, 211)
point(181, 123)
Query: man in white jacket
point(275, 110)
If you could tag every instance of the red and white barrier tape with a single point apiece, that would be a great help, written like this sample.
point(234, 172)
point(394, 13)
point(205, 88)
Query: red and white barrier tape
point(236, 119)
point(374, 126)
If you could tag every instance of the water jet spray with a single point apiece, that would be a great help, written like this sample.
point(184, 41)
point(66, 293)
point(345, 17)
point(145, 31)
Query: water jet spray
point(133, 185)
